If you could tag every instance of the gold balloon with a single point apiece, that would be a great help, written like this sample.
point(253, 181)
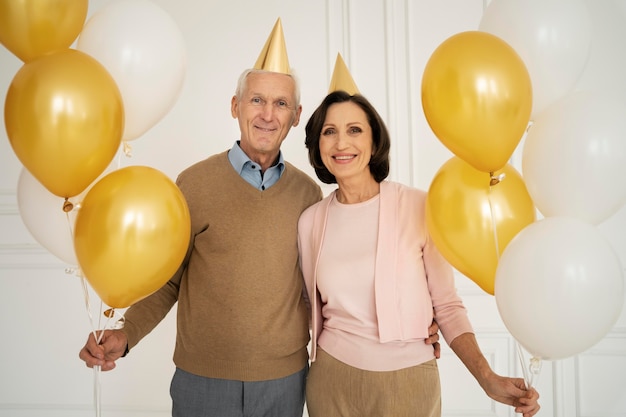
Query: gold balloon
point(473, 216)
point(477, 98)
point(131, 234)
point(64, 117)
point(33, 28)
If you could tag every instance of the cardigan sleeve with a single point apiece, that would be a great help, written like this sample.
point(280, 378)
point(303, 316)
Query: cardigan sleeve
point(449, 311)
point(310, 231)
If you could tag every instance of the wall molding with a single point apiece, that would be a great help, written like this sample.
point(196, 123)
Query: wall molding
point(8, 203)
point(28, 257)
point(79, 410)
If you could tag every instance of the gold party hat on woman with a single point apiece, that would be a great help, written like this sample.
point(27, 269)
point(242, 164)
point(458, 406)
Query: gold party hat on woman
point(273, 57)
point(341, 79)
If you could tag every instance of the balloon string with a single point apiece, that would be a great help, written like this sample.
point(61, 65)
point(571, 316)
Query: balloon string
point(493, 181)
point(97, 386)
point(97, 390)
point(110, 313)
point(69, 224)
point(98, 335)
point(534, 367)
point(96, 368)
point(533, 370)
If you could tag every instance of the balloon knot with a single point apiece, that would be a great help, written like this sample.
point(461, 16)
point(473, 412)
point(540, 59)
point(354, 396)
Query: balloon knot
point(495, 180)
point(535, 365)
point(128, 150)
point(67, 206)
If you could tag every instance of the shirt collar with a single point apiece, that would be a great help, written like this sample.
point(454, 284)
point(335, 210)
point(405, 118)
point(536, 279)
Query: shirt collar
point(238, 159)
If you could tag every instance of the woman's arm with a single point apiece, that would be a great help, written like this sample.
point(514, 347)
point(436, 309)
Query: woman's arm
point(510, 391)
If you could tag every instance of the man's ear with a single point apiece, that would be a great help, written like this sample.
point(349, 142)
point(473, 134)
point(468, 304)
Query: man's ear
point(296, 119)
point(234, 104)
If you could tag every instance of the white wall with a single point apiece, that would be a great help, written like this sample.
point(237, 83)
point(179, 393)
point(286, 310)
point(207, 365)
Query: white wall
point(386, 43)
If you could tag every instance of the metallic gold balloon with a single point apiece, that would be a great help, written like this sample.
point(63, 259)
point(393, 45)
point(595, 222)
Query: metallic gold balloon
point(33, 28)
point(131, 234)
point(64, 117)
point(477, 98)
point(472, 217)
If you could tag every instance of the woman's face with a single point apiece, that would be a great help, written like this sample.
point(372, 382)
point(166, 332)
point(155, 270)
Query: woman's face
point(346, 141)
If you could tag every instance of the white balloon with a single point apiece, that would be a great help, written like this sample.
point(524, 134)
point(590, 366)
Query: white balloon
point(43, 215)
point(144, 51)
point(574, 158)
point(559, 287)
point(552, 38)
point(606, 65)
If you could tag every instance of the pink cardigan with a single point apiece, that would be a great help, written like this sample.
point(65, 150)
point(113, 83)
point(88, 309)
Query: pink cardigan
point(412, 279)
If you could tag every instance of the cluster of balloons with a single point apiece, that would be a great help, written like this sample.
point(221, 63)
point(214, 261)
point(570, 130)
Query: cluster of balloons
point(483, 92)
point(68, 110)
point(477, 99)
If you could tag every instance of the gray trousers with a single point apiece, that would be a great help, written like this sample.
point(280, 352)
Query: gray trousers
point(197, 396)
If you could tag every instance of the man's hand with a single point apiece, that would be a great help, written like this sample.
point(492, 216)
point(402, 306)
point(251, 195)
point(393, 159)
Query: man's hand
point(112, 346)
point(433, 338)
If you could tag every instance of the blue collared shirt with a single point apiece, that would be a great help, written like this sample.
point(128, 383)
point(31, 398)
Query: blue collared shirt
point(251, 171)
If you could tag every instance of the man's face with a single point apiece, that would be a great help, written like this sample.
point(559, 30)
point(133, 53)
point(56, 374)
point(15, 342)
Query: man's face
point(266, 111)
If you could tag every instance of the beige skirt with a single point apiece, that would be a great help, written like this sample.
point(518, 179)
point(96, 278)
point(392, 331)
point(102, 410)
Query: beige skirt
point(334, 389)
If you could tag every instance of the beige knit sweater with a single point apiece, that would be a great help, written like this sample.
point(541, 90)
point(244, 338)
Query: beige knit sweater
point(241, 314)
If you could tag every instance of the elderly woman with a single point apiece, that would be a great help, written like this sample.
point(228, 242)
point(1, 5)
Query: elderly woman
point(375, 281)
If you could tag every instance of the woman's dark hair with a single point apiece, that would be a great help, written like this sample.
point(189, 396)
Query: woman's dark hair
point(379, 162)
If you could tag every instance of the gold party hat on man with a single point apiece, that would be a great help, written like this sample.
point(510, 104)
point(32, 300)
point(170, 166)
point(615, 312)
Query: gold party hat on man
point(341, 79)
point(273, 57)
